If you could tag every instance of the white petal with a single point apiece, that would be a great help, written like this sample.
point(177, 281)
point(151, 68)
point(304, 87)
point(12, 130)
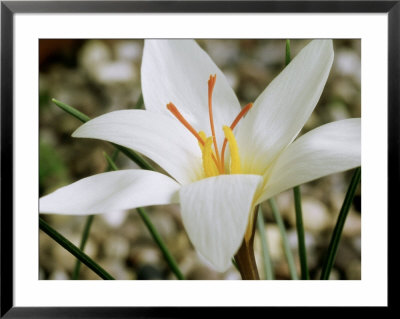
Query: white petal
point(281, 110)
point(328, 149)
point(177, 71)
point(156, 136)
point(215, 213)
point(112, 191)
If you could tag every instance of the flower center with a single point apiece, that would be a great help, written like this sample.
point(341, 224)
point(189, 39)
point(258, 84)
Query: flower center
point(213, 162)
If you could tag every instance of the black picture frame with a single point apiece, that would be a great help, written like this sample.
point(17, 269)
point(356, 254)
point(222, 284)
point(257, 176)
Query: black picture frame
point(9, 8)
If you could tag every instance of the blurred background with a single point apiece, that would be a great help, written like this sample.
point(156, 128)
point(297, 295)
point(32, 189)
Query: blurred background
point(99, 76)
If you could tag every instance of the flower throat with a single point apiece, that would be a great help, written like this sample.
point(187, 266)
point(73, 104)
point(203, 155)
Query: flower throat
point(213, 161)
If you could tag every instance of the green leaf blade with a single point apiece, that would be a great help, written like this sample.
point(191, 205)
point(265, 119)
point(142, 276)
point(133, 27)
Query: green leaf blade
point(285, 240)
point(64, 242)
point(267, 261)
point(337, 232)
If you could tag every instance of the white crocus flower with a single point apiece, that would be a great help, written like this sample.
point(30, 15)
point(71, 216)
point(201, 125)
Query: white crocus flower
point(183, 130)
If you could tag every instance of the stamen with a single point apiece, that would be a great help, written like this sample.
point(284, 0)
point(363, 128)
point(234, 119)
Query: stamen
point(200, 137)
point(211, 84)
point(172, 108)
point(212, 162)
point(235, 159)
point(242, 113)
point(210, 168)
point(204, 137)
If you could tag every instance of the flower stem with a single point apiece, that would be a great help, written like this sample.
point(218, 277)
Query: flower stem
point(245, 259)
point(286, 246)
point(138, 159)
point(268, 268)
point(337, 232)
point(300, 234)
point(64, 242)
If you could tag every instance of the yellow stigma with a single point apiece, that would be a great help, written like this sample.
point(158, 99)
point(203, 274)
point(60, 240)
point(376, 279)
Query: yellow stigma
point(233, 147)
point(203, 137)
point(210, 168)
